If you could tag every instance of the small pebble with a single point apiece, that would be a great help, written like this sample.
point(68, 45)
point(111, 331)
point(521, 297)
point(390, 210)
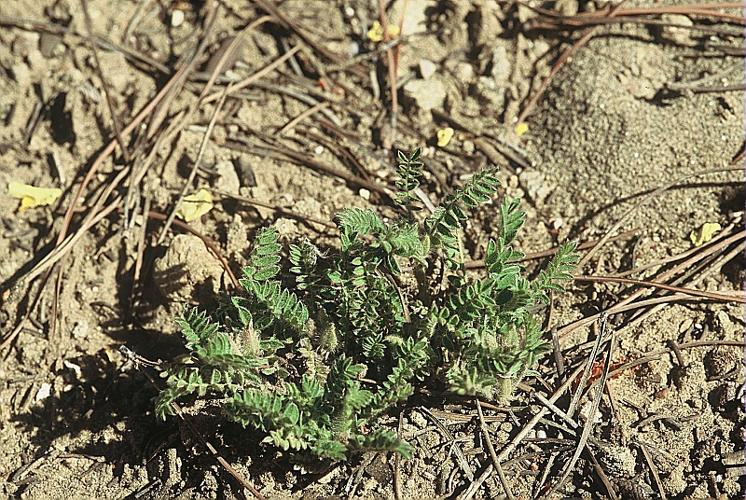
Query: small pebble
point(685, 326)
point(427, 68)
point(318, 149)
point(44, 392)
point(464, 72)
point(364, 194)
point(177, 18)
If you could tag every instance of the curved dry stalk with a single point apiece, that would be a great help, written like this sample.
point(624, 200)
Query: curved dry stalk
point(641, 203)
point(498, 467)
point(585, 434)
point(620, 306)
point(653, 284)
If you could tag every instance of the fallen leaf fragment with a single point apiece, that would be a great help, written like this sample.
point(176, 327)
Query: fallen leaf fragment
point(444, 136)
point(195, 205)
point(705, 233)
point(521, 129)
point(376, 34)
point(32, 196)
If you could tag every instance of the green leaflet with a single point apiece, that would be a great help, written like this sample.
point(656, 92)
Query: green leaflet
point(443, 225)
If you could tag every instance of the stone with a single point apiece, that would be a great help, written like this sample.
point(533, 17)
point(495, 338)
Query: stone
point(489, 93)
point(21, 74)
point(245, 171)
point(188, 271)
point(227, 179)
point(177, 18)
point(464, 72)
point(536, 187)
point(725, 323)
point(674, 33)
point(618, 460)
point(427, 68)
point(428, 94)
point(500, 66)
point(48, 43)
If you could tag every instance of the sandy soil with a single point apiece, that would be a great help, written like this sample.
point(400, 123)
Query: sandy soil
point(623, 117)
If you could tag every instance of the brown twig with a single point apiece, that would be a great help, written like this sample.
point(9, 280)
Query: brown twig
point(619, 19)
point(712, 264)
point(302, 116)
point(641, 203)
point(653, 471)
point(461, 458)
point(727, 231)
point(392, 66)
point(476, 484)
point(129, 53)
point(559, 359)
point(652, 284)
point(235, 87)
point(276, 208)
point(104, 83)
point(296, 27)
point(589, 421)
point(141, 243)
point(485, 432)
point(588, 366)
point(652, 355)
point(193, 172)
point(620, 306)
point(563, 58)
point(523, 433)
point(298, 157)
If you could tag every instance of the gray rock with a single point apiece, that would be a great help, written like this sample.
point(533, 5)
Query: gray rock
point(427, 68)
point(187, 271)
point(227, 180)
point(428, 94)
point(500, 66)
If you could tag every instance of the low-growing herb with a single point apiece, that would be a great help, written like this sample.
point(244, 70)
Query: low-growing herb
point(313, 356)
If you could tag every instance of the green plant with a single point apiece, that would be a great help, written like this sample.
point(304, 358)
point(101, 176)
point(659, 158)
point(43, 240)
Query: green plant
point(314, 356)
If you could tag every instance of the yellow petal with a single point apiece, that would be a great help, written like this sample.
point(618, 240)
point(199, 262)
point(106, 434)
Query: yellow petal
point(392, 30)
point(375, 33)
point(521, 129)
point(705, 233)
point(195, 205)
point(32, 196)
point(444, 136)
